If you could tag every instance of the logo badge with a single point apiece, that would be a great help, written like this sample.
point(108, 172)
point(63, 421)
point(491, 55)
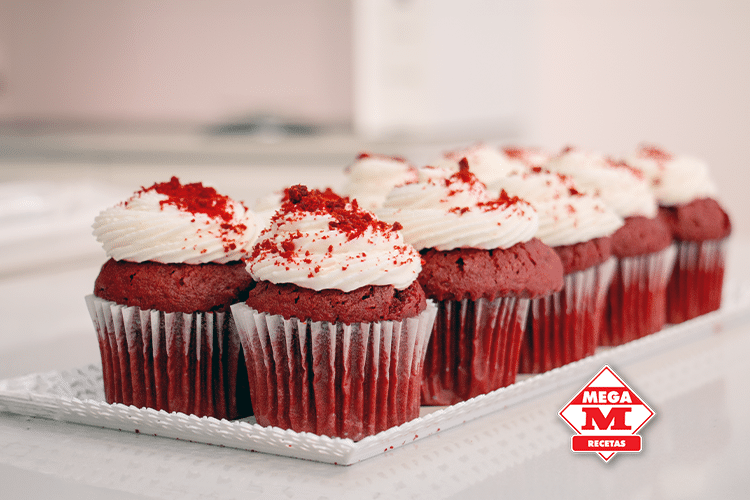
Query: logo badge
point(606, 415)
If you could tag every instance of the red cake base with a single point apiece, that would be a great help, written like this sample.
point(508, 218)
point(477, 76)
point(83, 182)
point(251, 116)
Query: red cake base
point(565, 326)
point(188, 363)
point(697, 280)
point(333, 379)
point(474, 348)
point(636, 303)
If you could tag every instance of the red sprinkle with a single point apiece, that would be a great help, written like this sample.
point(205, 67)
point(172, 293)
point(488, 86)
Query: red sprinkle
point(622, 164)
point(517, 153)
point(654, 153)
point(364, 154)
point(503, 200)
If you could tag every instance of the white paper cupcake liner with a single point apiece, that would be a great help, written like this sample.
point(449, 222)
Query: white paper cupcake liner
point(334, 379)
point(189, 363)
point(474, 348)
point(565, 326)
point(696, 283)
point(636, 302)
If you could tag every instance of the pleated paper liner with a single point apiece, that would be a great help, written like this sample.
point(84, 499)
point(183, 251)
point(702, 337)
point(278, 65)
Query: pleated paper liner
point(334, 379)
point(474, 348)
point(190, 363)
point(637, 298)
point(565, 326)
point(697, 280)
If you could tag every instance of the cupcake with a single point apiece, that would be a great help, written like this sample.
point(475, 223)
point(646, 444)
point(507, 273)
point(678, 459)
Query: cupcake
point(161, 302)
point(687, 203)
point(482, 266)
point(636, 302)
point(564, 326)
point(336, 328)
point(372, 176)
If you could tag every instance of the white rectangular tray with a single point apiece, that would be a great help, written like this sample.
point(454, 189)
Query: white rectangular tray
point(78, 397)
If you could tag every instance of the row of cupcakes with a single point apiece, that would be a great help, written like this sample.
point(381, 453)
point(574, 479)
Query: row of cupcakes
point(641, 240)
point(330, 331)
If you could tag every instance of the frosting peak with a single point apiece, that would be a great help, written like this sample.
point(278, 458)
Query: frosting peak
point(520, 158)
point(320, 240)
point(446, 209)
point(486, 162)
point(372, 176)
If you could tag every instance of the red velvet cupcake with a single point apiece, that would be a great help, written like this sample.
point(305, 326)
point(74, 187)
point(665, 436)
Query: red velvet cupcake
point(482, 266)
point(565, 326)
point(700, 226)
point(336, 329)
point(161, 302)
point(637, 299)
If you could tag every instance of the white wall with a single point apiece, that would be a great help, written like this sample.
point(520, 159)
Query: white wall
point(607, 74)
point(440, 68)
point(175, 60)
point(675, 72)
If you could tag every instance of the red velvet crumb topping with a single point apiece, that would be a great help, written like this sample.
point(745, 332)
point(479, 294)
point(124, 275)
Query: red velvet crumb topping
point(347, 217)
point(199, 199)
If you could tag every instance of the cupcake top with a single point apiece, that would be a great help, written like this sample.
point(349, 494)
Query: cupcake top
point(566, 215)
point(486, 162)
point(523, 158)
point(446, 209)
point(676, 180)
point(174, 223)
point(623, 188)
point(320, 241)
point(372, 176)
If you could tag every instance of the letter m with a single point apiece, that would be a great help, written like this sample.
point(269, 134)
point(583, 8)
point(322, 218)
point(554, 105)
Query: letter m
point(615, 418)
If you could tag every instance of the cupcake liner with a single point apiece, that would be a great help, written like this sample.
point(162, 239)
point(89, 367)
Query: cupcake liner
point(697, 280)
point(190, 363)
point(565, 326)
point(474, 348)
point(636, 302)
point(334, 379)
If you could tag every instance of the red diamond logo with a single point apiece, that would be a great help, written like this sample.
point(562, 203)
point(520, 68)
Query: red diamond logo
point(606, 415)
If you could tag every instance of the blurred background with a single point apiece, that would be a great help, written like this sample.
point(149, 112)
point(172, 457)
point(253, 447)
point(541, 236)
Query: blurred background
point(100, 97)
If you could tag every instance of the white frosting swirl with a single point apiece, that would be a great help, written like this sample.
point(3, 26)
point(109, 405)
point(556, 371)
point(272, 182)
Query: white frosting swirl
point(445, 210)
point(520, 159)
point(675, 179)
point(624, 189)
point(566, 215)
point(371, 177)
point(310, 249)
point(486, 162)
point(148, 227)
